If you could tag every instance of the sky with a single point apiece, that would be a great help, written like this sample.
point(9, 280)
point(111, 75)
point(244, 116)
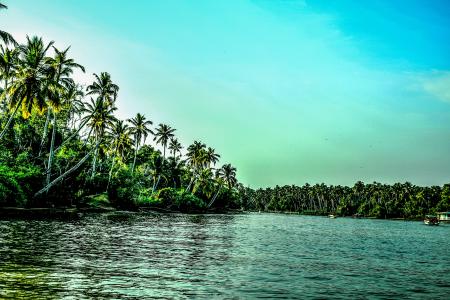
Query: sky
point(287, 91)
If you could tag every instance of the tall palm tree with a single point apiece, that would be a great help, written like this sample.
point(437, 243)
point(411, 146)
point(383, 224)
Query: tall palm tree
point(8, 65)
point(6, 37)
point(175, 147)
point(104, 88)
point(60, 69)
point(196, 154)
point(28, 89)
point(140, 129)
point(228, 172)
point(120, 142)
point(99, 118)
point(74, 104)
point(211, 156)
point(163, 134)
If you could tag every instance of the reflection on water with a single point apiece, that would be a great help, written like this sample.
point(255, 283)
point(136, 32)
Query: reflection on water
point(224, 256)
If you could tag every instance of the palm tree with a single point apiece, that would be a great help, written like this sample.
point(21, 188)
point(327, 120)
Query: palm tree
point(8, 65)
point(211, 156)
point(163, 134)
point(120, 142)
point(74, 103)
point(228, 172)
point(104, 88)
point(196, 154)
point(99, 118)
point(6, 37)
point(175, 147)
point(59, 71)
point(140, 129)
point(28, 89)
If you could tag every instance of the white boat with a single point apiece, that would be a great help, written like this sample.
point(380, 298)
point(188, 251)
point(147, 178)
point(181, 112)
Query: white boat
point(332, 216)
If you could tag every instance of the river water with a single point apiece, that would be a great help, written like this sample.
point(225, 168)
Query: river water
point(244, 256)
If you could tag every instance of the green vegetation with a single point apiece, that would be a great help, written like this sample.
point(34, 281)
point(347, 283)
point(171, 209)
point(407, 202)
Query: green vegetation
point(62, 144)
point(369, 200)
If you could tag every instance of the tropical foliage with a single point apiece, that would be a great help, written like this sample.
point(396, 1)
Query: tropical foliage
point(62, 144)
point(400, 200)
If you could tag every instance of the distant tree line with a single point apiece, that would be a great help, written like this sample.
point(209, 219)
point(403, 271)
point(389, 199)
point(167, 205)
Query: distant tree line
point(400, 200)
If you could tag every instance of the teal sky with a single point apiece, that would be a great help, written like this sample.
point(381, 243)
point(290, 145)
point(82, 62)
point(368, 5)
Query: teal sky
point(287, 91)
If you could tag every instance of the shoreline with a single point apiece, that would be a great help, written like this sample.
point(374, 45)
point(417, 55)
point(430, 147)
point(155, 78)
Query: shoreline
point(75, 213)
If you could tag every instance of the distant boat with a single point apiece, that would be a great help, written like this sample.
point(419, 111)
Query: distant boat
point(332, 216)
point(431, 220)
point(443, 217)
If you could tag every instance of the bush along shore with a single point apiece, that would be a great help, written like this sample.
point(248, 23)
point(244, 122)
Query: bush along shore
point(63, 149)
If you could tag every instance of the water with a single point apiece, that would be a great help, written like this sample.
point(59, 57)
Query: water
point(223, 256)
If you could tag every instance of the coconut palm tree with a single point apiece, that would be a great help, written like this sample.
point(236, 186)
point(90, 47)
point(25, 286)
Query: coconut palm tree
point(104, 88)
point(74, 104)
point(100, 117)
point(163, 134)
point(60, 69)
point(6, 37)
point(196, 154)
point(28, 89)
point(228, 172)
point(119, 139)
point(175, 147)
point(140, 129)
point(211, 156)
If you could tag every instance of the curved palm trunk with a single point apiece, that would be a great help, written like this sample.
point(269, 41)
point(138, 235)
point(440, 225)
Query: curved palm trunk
point(110, 172)
point(94, 163)
point(50, 156)
point(73, 135)
point(159, 177)
point(68, 172)
point(135, 155)
point(44, 135)
point(10, 119)
point(214, 198)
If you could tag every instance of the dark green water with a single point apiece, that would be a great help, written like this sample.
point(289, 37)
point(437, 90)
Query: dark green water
point(223, 256)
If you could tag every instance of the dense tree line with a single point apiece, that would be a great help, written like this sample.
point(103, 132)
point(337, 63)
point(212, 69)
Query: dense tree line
point(400, 200)
point(61, 142)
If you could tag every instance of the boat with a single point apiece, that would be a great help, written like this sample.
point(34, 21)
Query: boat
point(443, 217)
point(332, 216)
point(431, 220)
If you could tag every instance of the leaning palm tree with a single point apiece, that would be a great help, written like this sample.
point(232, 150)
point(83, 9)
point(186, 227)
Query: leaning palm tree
point(4, 36)
point(99, 118)
point(226, 174)
point(140, 129)
point(28, 89)
point(120, 142)
point(175, 147)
